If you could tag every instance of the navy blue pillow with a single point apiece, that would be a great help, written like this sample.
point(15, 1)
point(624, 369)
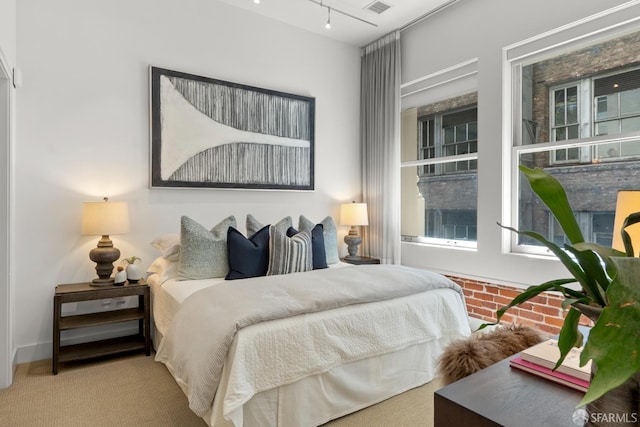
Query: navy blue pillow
point(318, 252)
point(247, 257)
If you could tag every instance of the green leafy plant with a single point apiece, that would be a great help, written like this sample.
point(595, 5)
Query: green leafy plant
point(131, 260)
point(609, 292)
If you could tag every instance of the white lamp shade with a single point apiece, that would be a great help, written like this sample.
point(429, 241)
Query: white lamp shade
point(105, 218)
point(628, 203)
point(354, 214)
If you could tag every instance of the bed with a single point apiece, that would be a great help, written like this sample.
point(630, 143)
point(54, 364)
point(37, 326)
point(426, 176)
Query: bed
point(326, 342)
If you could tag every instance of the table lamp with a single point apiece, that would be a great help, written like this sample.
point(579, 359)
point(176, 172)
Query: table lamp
point(353, 214)
point(628, 202)
point(103, 219)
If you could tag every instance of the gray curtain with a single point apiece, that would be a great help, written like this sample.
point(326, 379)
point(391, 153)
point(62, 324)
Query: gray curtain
point(380, 142)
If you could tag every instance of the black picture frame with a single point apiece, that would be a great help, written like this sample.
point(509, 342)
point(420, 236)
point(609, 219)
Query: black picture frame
point(210, 133)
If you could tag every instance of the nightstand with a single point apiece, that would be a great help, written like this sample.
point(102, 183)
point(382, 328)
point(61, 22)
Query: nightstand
point(76, 292)
point(361, 260)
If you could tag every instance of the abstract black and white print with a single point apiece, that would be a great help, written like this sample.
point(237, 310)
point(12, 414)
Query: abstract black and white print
point(212, 133)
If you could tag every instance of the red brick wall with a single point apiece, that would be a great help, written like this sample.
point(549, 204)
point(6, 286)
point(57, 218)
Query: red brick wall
point(484, 299)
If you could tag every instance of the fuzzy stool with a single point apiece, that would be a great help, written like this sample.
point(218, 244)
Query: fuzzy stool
point(464, 357)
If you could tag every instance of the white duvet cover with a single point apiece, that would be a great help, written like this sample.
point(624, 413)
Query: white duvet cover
point(334, 350)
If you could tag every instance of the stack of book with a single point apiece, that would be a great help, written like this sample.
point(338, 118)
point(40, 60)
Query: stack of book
point(542, 358)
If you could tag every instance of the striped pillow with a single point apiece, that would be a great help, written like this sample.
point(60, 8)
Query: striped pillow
point(289, 254)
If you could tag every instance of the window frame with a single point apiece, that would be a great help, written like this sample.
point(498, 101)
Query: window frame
point(438, 166)
point(594, 29)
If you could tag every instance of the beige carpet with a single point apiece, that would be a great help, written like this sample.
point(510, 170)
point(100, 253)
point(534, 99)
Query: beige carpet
point(136, 391)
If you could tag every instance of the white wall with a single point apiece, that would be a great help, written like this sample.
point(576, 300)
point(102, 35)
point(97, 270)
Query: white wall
point(7, 109)
point(481, 29)
point(8, 31)
point(83, 124)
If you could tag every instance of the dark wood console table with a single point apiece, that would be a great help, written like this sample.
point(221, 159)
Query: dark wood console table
point(503, 396)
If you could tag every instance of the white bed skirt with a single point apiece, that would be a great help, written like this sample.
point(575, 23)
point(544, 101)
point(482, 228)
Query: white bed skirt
point(342, 390)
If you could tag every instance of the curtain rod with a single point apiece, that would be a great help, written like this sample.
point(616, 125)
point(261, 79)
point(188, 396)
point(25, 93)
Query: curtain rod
point(415, 21)
point(428, 14)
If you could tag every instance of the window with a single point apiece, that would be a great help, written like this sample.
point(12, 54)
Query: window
point(584, 104)
point(449, 134)
point(439, 181)
point(564, 122)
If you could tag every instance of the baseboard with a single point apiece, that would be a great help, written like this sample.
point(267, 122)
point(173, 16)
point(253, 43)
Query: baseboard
point(14, 364)
point(40, 351)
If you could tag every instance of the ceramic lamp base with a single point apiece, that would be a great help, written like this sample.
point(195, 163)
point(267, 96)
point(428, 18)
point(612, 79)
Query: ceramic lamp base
point(104, 255)
point(352, 245)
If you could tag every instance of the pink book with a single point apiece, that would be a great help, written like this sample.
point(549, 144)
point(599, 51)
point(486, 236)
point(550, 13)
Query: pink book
point(555, 376)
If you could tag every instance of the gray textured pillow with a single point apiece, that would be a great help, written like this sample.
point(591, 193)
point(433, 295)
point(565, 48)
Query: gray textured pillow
point(330, 236)
point(203, 253)
point(253, 225)
point(289, 254)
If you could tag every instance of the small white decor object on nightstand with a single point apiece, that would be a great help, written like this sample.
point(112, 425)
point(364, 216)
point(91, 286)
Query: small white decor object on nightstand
point(120, 277)
point(133, 270)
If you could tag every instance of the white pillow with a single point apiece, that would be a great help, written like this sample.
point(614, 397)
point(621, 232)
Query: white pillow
point(168, 245)
point(164, 268)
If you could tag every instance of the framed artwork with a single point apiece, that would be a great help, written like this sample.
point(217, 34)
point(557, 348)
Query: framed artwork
point(210, 133)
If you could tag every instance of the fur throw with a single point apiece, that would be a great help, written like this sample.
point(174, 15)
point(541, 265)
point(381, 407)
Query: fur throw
point(464, 357)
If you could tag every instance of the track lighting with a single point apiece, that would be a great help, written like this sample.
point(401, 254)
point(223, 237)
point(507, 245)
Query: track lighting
point(344, 13)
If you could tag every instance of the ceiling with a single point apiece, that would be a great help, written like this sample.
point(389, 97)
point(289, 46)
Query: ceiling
point(361, 27)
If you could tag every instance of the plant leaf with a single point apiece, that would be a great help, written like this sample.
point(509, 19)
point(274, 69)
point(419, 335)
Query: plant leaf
point(574, 268)
point(553, 195)
point(597, 280)
point(566, 304)
point(573, 294)
point(614, 342)
point(605, 253)
point(569, 336)
point(634, 218)
point(531, 292)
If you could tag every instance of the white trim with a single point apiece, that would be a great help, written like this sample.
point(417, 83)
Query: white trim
point(467, 245)
point(439, 160)
point(510, 89)
point(435, 85)
point(594, 140)
point(527, 48)
point(444, 71)
point(458, 79)
point(7, 357)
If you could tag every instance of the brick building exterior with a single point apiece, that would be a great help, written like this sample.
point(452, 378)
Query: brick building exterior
point(436, 189)
point(587, 195)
